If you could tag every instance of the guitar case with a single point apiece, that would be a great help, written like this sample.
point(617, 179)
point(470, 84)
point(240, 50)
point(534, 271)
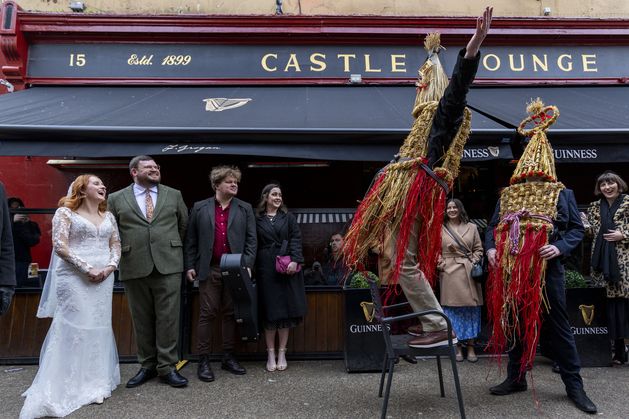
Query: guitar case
point(244, 294)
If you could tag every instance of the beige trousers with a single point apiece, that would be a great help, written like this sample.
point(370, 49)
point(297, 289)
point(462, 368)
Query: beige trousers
point(412, 280)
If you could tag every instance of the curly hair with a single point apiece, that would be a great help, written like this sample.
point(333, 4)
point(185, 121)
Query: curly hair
point(220, 173)
point(76, 194)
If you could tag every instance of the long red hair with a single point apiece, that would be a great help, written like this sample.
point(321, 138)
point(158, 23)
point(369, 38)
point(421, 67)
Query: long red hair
point(77, 194)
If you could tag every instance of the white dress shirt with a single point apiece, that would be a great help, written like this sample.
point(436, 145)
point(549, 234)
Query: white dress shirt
point(140, 196)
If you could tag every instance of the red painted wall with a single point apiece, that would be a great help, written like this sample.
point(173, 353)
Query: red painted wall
point(39, 186)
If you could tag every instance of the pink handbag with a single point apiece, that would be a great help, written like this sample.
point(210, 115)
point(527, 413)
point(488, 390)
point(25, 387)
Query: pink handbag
point(281, 262)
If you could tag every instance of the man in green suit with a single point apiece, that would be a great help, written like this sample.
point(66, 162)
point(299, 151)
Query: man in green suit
point(152, 221)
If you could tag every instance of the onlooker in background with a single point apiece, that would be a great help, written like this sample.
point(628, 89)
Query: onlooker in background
point(607, 221)
point(218, 225)
point(152, 220)
point(314, 275)
point(7, 260)
point(282, 295)
point(335, 270)
point(78, 364)
point(26, 234)
point(461, 295)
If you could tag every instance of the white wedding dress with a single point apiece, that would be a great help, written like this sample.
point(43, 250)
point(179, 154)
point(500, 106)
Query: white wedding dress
point(78, 364)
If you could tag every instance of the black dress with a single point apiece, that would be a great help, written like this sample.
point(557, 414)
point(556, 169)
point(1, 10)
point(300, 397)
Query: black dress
point(282, 298)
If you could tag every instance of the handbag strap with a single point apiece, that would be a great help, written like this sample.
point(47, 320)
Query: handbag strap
point(283, 248)
point(463, 248)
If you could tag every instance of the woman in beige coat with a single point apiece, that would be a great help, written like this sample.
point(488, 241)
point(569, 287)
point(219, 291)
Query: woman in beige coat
point(461, 295)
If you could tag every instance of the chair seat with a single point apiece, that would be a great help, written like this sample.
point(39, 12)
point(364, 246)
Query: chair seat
point(400, 347)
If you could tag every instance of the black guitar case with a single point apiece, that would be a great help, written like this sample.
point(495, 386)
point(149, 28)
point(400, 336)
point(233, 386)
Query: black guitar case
point(244, 294)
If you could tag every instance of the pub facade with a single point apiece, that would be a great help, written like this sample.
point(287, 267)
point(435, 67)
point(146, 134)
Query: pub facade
point(315, 103)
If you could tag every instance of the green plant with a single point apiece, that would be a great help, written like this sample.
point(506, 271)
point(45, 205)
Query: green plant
point(574, 279)
point(359, 279)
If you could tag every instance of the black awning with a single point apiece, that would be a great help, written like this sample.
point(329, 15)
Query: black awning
point(340, 123)
point(593, 125)
point(586, 113)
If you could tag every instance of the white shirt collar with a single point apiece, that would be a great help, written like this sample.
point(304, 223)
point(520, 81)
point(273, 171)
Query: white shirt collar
point(139, 190)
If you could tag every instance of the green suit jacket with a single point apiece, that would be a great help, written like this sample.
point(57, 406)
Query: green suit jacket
point(158, 244)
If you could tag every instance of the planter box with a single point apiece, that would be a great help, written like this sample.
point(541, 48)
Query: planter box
point(364, 344)
point(587, 315)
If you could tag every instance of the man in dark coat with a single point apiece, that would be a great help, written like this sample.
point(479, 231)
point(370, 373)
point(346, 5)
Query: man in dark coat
point(26, 234)
point(535, 222)
point(7, 258)
point(218, 225)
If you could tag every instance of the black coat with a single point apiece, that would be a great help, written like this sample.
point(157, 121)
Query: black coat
point(199, 242)
point(7, 258)
point(280, 296)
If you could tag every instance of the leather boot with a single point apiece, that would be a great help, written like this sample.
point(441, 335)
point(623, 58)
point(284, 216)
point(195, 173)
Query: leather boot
point(204, 371)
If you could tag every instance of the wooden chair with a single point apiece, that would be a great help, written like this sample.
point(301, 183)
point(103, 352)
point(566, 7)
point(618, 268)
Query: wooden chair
point(397, 346)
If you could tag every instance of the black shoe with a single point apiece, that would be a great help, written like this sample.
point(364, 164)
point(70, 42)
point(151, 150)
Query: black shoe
point(141, 377)
point(556, 368)
point(230, 364)
point(174, 379)
point(508, 386)
point(408, 358)
point(582, 401)
point(204, 371)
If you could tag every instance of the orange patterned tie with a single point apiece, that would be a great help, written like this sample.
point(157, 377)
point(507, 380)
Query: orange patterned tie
point(149, 205)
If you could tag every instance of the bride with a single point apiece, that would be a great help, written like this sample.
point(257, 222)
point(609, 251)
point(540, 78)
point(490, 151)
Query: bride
point(78, 364)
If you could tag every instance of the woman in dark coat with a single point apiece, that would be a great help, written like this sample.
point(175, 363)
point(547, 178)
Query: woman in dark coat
point(282, 297)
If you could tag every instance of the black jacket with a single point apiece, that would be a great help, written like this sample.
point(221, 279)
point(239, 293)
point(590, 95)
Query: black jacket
point(567, 232)
point(449, 114)
point(241, 235)
point(7, 258)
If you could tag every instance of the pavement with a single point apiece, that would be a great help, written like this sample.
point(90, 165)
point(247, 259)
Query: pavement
point(322, 389)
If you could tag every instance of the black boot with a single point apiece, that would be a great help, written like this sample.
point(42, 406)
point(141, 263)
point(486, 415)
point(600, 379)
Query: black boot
point(508, 386)
point(582, 401)
point(204, 371)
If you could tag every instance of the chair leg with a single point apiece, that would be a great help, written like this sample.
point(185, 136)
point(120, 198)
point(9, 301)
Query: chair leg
point(384, 369)
point(457, 384)
point(387, 392)
point(441, 389)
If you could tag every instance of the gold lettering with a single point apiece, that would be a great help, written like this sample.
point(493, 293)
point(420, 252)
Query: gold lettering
point(560, 62)
point(292, 63)
point(346, 58)
point(496, 66)
point(78, 60)
point(397, 66)
point(321, 64)
point(368, 68)
point(589, 59)
point(542, 64)
point(265, 64)
point(512, 64)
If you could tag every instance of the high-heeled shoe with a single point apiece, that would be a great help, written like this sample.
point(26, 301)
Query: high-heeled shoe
point(281, 360)
point(270, 363)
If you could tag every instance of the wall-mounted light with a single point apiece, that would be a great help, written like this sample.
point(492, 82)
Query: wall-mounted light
point(77, 6)
point(547, 11)
point(287, 164)
point(278, 7)
point(355, 78)
point(89, 164)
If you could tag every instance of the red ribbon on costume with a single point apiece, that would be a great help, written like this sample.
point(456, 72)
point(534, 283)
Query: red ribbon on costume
point(513, 218)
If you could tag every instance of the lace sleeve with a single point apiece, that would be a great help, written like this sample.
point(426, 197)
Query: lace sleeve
point(61, 223)
point(114, 242)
